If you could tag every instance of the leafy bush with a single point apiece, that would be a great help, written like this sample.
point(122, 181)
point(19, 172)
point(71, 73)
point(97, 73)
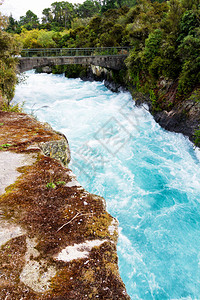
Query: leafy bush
point(152, 46)
point(190, 76)
point(12, 107)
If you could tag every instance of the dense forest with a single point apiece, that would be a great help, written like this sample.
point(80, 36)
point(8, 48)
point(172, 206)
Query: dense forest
point(163, 36)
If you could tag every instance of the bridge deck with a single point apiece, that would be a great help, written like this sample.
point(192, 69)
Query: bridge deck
point(110, 57)
point(57, 52)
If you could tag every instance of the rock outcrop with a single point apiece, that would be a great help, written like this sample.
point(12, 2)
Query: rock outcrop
point(57, 240)
point(183, 118)
point(177, 116)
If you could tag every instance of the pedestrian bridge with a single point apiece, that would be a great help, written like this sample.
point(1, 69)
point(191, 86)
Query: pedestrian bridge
point(107, 57)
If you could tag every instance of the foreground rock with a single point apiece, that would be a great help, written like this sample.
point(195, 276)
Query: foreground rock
point(57, 240)
point(181, 116)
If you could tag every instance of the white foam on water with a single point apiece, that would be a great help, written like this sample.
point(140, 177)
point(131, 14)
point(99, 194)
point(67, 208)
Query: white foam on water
point(151, 181)
point(197, 151)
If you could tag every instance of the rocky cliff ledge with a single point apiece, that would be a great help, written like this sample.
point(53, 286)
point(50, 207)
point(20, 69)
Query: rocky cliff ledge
point(181, 116)
point(57, 240)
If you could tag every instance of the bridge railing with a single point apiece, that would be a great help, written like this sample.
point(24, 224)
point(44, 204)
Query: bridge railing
point(38, 52)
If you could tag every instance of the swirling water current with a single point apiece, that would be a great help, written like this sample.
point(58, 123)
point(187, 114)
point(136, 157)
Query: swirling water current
point(149, 177)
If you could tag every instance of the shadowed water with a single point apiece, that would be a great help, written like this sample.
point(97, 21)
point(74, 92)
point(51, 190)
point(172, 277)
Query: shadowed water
point(149, 177)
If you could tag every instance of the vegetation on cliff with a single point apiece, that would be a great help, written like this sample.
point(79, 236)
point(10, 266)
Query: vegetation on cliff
point(168, 51)
point(9, 48)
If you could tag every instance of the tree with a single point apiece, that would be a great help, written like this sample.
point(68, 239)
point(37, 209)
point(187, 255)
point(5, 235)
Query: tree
point(45, 39)
point(189, 23)
point(12, 25)
point(189, 4)
point(63, 13)
point(9, 48)
point(108, 4)
point(47, 16)
point(189, 50)
point(172, 20)
point(88, 9)
point(152, 46)
point(29, 21)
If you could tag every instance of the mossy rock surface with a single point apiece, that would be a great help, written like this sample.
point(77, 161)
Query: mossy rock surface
point(59, 241)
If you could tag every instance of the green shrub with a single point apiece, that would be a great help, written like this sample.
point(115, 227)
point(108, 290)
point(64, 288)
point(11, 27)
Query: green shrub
point(152, 46)
point(51, 185)
point(12, 107)
point(190, 76)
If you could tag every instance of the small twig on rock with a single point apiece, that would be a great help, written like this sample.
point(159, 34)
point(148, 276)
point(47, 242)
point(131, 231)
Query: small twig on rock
point(69, 221)
point(76, 216)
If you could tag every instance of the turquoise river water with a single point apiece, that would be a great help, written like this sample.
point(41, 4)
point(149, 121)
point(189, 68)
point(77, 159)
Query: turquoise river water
point(149, 177)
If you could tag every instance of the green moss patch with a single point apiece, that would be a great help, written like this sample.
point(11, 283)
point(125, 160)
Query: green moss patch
point(43, 211)
point(19, 130)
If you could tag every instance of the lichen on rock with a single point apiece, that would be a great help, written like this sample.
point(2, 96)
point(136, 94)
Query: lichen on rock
point(57, 149)
point(36, 272)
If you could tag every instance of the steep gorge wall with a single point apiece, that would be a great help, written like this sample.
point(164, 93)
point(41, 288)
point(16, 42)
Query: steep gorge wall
point(182, 116)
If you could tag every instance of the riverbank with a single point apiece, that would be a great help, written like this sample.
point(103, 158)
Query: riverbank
point(57, 239)
point(182, 117)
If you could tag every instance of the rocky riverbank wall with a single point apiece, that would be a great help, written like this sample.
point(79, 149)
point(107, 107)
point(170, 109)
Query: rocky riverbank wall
point(57, 240)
